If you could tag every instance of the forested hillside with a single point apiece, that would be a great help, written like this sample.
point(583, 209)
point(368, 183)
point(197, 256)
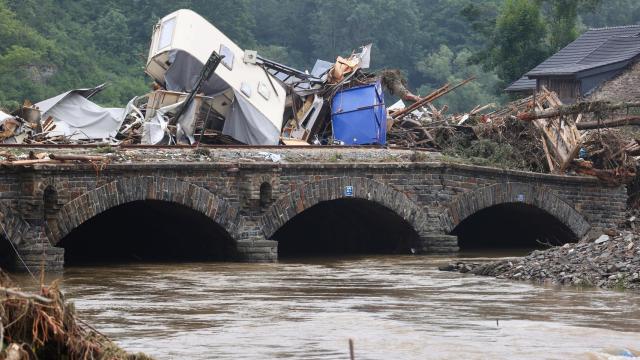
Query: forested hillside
point(49, 46)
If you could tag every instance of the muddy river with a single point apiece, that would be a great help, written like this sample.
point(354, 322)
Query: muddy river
point(393, 307)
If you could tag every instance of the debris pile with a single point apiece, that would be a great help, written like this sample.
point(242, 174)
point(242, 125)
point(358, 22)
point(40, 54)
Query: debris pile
point(102, 157)
point(610, 261)
point(44, 326)
point(214, 92)
point(8, 158)
point(537, 133)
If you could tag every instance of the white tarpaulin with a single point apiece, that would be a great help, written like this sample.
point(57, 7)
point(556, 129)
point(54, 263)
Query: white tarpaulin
point(4, 116)
point(78, 118)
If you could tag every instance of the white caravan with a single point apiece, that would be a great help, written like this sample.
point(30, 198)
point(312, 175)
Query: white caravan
point(183, 41)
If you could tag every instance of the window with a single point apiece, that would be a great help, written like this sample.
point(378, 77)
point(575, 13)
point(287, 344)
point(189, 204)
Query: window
point(245, 88)
point(166, 33)
point(227, 61)
point(263, 90)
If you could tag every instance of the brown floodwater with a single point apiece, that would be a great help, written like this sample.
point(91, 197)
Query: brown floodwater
point(393, 307)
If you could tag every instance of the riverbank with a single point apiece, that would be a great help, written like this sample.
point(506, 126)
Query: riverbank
point(45, 326)
point(610, 261)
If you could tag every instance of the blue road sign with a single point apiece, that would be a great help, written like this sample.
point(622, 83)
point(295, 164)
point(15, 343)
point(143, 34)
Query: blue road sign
point(348, 191)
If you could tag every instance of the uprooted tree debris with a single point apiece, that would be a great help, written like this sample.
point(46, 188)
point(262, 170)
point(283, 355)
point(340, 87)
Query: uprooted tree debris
point(537, 133)
point(45, 326)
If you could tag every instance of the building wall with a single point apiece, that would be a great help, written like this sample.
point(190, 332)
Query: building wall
point(624, 87)
point(568, 90)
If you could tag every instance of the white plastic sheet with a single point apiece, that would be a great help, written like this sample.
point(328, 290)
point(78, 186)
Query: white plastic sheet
point(4, 116)
point(78, 118)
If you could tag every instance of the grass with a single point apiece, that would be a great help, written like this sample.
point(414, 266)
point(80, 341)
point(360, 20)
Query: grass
point(335, 157)
point(107, 149)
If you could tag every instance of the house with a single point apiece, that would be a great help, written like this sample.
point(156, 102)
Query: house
point(601, 64)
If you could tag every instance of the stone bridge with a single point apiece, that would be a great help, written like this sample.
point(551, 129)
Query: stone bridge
point(245, 211)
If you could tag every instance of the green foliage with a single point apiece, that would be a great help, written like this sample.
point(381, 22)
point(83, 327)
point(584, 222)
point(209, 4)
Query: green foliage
point(104, 149)
point(487, 152)
point(51, 46)
point(525, 32)
point(613, 13)
point(563, 20)
point(519, 39)
point(446, 66)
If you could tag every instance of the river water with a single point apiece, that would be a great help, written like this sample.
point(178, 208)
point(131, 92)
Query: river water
point(393, 307)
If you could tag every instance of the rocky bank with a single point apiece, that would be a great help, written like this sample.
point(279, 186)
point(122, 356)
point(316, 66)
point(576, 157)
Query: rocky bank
point(610, 261)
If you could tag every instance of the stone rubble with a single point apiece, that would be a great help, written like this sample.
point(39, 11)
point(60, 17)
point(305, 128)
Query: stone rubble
point(611, 261)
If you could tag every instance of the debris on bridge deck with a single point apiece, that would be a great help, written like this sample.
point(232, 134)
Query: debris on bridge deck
point(213, 92)
point(537, 133)
point(104, 156)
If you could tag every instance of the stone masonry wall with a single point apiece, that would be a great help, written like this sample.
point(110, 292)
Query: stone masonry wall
point(623, 87)
point(430, 196)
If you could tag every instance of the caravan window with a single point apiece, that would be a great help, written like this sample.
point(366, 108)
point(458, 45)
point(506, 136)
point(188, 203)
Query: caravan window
point(263, 90)
point(228, 56)
point(245, 88)
point(166, 33)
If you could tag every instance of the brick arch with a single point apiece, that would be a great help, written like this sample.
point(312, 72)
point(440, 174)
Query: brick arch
point(126, 190)
point(312, 193)
point(469, 203)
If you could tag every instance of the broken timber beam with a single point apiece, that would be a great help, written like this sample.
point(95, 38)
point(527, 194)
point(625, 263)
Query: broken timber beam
point(77, 157)
point(584, 107)
point(632, 120)
point(430, 98)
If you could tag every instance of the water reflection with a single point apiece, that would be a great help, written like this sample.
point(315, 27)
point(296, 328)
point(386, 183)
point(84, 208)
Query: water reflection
point(394, 307)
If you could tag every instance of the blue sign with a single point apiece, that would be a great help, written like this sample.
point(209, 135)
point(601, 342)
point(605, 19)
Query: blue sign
point(348, 191)
point(520, 197)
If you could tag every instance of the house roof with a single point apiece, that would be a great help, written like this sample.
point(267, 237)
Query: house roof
point(594, 49)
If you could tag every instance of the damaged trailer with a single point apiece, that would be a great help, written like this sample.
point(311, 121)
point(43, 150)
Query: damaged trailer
point(248, 99)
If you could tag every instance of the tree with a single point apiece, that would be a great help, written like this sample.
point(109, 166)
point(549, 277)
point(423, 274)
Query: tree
point(393, 26)
point(50, 46)
point(518, 44)
point(446, 66)
point(112, 33)
point(563, 20)
point(612, 13)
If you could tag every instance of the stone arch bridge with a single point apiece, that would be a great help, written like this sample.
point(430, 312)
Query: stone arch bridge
point(40, 205)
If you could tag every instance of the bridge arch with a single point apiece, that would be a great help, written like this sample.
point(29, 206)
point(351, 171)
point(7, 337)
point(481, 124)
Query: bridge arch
point(348, 192)
point(130, 190)
point(513, 196)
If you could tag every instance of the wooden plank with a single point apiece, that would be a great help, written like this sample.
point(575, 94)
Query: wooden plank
point(294, 142)
point(546, 152)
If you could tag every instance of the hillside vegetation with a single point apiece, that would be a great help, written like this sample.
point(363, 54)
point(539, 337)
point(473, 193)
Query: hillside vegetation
point(50, 46)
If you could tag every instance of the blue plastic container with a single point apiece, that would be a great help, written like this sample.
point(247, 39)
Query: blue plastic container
point(358, 115)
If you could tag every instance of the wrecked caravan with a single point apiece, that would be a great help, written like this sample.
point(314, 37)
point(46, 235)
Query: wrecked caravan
point(249, 100)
